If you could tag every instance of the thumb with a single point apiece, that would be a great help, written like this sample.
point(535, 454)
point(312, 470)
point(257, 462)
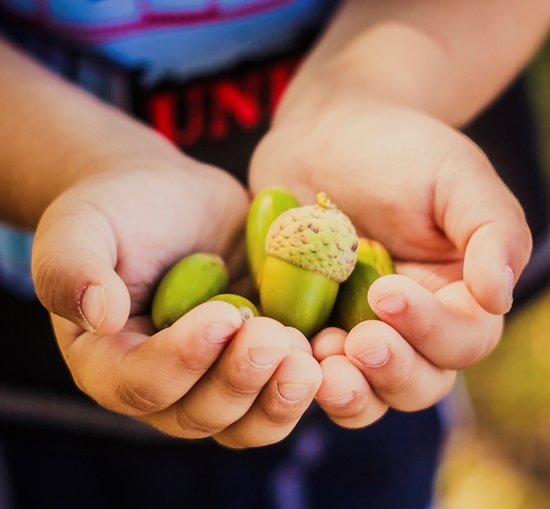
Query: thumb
point(486, 222)
point(74, 255)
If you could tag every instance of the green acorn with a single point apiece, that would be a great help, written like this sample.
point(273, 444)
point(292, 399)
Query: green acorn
point(245, 307)
point(190, 282)
point(265, 208)
point(310, 251)
point(352, 306)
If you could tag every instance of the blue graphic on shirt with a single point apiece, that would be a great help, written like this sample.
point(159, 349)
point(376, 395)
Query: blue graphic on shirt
point(175, 38)
point(89, 11)
point(202, 49)
point(171, 5)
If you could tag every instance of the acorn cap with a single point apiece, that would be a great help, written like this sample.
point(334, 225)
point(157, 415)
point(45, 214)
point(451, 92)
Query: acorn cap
point(319, 238)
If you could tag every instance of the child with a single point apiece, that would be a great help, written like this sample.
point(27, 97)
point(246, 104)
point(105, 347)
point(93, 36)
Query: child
point(368, 118)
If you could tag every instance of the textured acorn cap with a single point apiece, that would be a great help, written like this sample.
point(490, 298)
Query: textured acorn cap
point(318, 237)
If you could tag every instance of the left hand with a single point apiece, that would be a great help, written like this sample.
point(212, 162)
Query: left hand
point(457, 234)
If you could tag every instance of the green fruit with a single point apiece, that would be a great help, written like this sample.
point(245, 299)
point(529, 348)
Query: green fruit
point(295, 296)
point(352, 306)
point(245, 307)
point(190, 282)
point(265, 208)
point(310, 250)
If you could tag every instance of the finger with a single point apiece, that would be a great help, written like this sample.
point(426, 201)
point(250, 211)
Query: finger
point(74, 255)
point(346, 396)
point(279, 406)
point(485, 221)
point(228, 390)
point(449, 327)
point(491, 270)
point(328, 342)
point(298, 341)
point(134, 373)
point(398, 374)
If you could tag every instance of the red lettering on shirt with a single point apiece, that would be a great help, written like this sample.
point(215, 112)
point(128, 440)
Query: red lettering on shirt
point(240, 102)
point(213, 109)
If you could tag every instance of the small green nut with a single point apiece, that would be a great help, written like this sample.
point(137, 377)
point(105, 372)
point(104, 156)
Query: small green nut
point(265, 208)
point(190, 282)
point(295, 296)
point(352, 306)
point(310, 251)
point(245, 307)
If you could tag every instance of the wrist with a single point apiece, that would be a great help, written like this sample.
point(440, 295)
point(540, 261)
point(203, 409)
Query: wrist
point(393, 63)
point(105, 144)
point(330, 97)
point(54, 134)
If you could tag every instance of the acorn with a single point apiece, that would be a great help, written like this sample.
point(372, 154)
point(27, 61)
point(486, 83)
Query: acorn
point(265, 208)
point(310, 251)
point(352, 305)
point(190, 282)
point(245, 307)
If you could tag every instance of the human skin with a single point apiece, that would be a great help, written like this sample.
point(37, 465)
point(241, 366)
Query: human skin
point(375, 108)
point(95, 183)
point(116, 206)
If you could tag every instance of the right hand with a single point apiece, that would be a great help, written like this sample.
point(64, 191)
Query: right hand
point(101, 248)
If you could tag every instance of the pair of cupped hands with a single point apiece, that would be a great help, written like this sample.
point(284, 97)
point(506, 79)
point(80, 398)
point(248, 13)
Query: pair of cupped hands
point(458, 237)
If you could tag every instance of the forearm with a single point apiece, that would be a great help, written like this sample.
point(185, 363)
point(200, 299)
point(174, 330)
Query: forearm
point(53, 134)
point(447, 58)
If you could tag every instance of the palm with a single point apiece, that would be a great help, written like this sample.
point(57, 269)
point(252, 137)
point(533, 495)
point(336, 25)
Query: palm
point(429, 195)
point(145, 221)
point(361, 167)
point(198, 377)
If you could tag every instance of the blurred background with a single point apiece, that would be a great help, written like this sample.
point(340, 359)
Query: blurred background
point(499, 454)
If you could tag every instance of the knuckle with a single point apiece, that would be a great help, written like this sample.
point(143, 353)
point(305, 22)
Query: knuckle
point(398, 385)
point(237, 390)
point(426, 332)
point(191, 428)
point(138, 399)
point(360, 419)
point(190, 364)
point(45, 281)
point(99, 393)
point(240, 439)
point(280, 419)
point(227, 440)
point(280, 415)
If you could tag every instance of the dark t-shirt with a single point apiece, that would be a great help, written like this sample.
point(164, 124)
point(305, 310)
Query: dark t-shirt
point(62, 450)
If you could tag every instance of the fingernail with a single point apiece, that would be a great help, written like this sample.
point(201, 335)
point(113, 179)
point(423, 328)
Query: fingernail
point(391, 304)
point(264, 357)
point(342, 400)
point(509, 282)
point(293, 392)
point(93, 307)
point(376, 357)
point(218, 332)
